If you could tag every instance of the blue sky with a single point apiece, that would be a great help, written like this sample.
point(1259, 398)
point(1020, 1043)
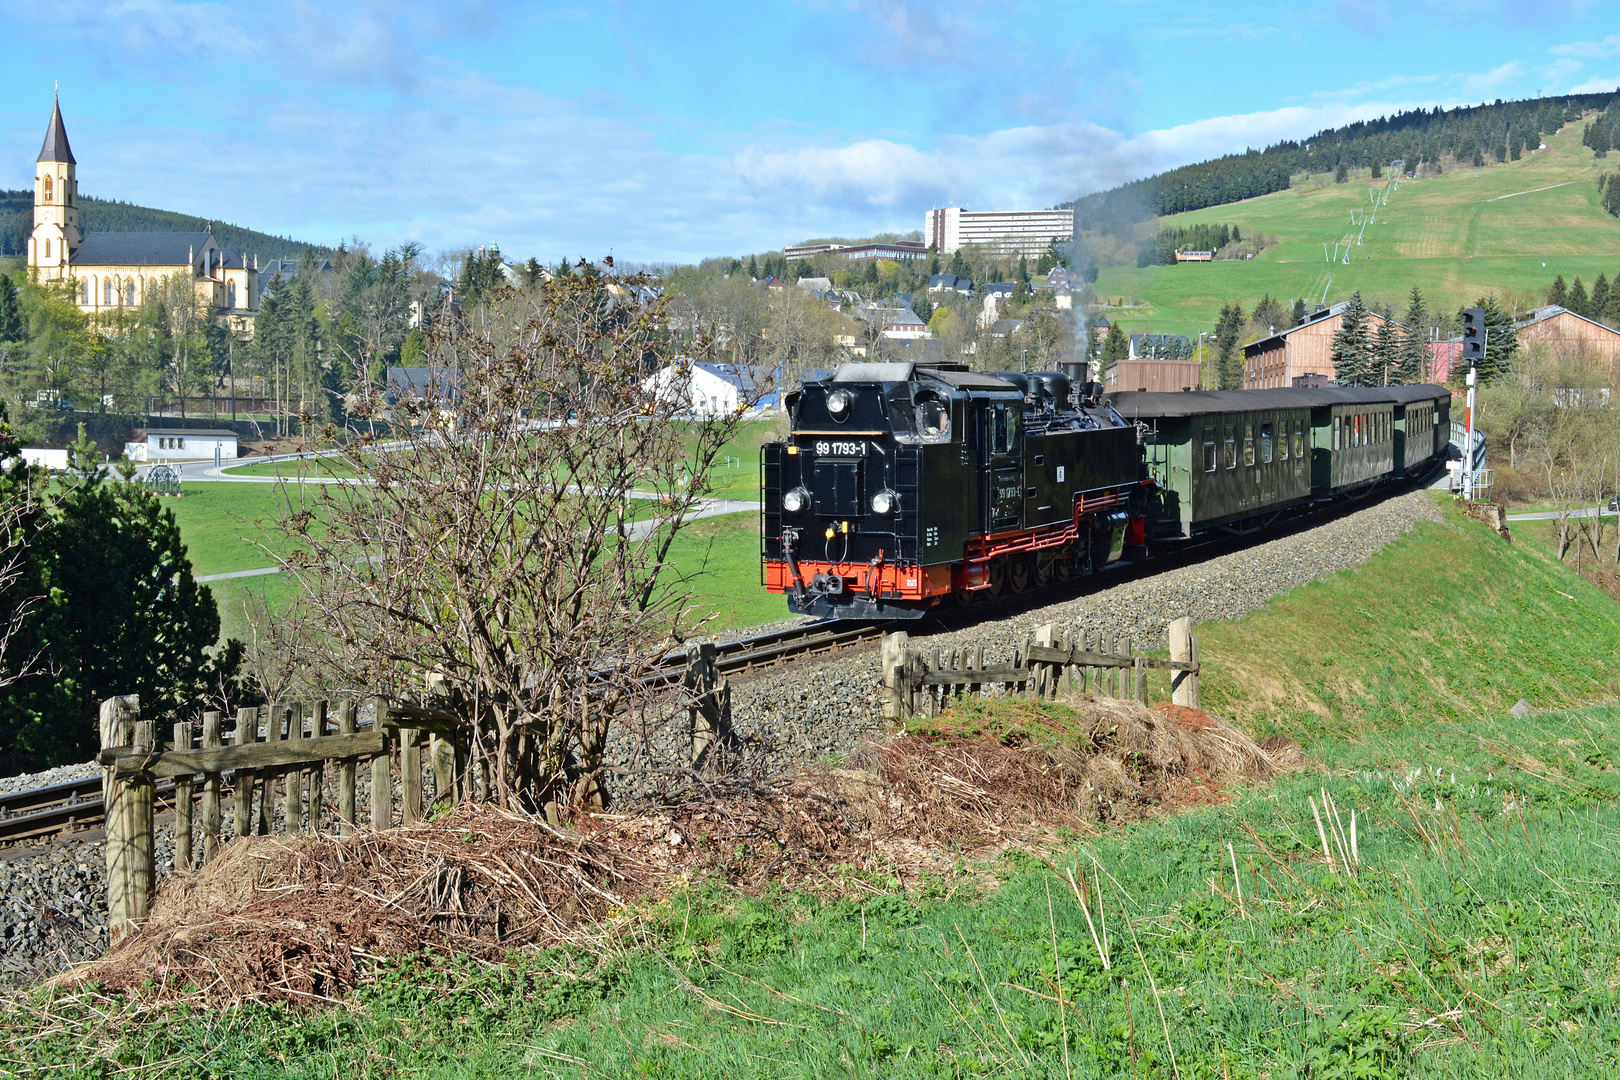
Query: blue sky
point(675, 130)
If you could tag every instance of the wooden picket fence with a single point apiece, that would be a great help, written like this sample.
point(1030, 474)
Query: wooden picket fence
point(921, 682)
point(279, 755)
point(276, 754)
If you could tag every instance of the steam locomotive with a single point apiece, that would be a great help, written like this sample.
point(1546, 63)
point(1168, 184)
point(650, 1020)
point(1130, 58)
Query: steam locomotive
point(905, 486)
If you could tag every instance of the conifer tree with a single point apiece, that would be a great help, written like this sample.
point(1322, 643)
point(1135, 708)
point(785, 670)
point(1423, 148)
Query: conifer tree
point(1598, 306)
point(1352, 344)
point(11, 321)
point(1414, 349)
point(1578, 302)
point(1501, 340)
point(1386, 353)
point(1116, 347)
point(1228, 361)
point(1558, 295)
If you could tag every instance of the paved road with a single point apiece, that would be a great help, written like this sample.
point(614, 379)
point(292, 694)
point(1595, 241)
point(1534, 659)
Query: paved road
point(1552, 515)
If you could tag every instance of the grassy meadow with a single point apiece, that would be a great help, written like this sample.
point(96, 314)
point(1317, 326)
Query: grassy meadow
point(1467, 924)
point(1457, 237)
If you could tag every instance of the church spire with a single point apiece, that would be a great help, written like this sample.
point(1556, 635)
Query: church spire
point(56, 141)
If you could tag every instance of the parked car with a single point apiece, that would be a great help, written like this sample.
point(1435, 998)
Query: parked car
point(1614, 505)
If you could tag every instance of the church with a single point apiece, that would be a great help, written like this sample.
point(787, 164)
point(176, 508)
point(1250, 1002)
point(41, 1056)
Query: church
point(120, 270)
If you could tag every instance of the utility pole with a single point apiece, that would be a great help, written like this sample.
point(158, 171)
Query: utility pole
point(1475, 336)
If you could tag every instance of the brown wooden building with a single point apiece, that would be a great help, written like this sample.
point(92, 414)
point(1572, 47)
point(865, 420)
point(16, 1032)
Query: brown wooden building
point(1569, 334)
point(1307, 349)
point(1172, 376)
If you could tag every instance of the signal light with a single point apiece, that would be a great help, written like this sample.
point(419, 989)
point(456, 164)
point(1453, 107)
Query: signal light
point(1473, 343)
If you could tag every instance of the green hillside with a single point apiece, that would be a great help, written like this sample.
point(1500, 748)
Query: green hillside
point(1455, 236)
point(107, 215)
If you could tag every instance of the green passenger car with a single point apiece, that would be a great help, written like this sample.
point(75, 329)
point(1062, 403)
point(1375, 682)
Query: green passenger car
point(1233, 460)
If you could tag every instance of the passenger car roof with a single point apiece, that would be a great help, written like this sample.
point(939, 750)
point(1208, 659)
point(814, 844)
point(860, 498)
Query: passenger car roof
point(1137, 403)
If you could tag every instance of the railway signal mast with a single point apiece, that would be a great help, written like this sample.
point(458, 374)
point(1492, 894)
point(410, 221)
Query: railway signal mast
point(1473, 350)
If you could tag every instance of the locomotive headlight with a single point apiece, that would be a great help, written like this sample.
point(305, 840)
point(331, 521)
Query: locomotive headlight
point(885, 502)
point(838, 403)
point(795, 501)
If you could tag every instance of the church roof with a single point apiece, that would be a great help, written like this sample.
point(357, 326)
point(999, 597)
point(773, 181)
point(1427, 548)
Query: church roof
point(140, 248)
point(56, 145)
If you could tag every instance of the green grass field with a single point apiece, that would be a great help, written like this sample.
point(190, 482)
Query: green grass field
point(1444, 235)
point(229, 527)
point(1475, 934)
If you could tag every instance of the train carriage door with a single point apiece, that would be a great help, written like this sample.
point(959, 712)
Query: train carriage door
point(1001, 457)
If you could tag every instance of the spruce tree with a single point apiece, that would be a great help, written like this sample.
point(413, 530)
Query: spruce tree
point(1558, 295)
point(1116, 347)
point(1352, 344)
point(11, 321)
point(1386, 353)
point(1414, 349)
point(1299, 311)
point(1598, 306)
point(1578, 302)
point(1228, 361)
point(1501, 341)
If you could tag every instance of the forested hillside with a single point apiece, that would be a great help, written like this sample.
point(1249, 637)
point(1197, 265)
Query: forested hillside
point(105, 215)
point(1470, 135)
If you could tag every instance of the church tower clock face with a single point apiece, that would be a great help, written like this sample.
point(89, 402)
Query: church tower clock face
point(49, 217)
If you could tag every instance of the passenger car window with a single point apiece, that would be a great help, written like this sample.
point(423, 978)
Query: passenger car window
point(1336, 432)
point(1209, 449)
point(1265, 444)
point(1248, 444)
point(1231, 447)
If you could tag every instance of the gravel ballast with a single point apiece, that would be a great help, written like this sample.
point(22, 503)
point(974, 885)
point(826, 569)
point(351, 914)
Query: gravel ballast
point(53, 897)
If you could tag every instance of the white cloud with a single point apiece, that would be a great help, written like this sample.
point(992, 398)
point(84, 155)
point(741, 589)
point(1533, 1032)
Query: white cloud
point(1596, 86)
point(1487, 83)
point(1589, 50)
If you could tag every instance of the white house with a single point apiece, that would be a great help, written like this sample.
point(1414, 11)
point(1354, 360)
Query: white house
point(709, 389)
point(53, 460)
point(170, 444)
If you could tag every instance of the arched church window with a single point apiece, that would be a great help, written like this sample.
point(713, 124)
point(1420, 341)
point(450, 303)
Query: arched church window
point(48, 187)
point(230, 294)
point(84, 291)
point(107, 292)
point(129, 293)
point(47, 249)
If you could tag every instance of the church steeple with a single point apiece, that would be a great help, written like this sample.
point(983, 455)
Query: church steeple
point(56, 233)
point(56, 146)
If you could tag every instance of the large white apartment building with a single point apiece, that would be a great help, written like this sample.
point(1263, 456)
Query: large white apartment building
point(1006, 232)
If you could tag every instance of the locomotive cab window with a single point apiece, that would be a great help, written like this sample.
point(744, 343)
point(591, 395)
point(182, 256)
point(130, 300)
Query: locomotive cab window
point(1265, 444)
point(1231, 447)
point(933, 417)
point(1004, 430)
point(1248, 444)
point(1209, 449)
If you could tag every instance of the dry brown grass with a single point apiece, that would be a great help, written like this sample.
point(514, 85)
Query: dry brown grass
point(306, 920)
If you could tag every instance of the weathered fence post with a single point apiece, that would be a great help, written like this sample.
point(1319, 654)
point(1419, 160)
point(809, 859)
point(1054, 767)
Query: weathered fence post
point(1195, 701)
point(410, 774)
point(1181, 682)
point(182, 802)
point(247, 731)
point(317, 774)
point(295, 775)
point(1046, 673)
point(346, 726)
point(382, 788)
point(709, 715)
point(210, 792)
point(117, 730)
point(892, 658)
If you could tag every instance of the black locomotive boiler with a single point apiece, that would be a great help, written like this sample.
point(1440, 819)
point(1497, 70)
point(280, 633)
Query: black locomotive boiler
point(904, 485)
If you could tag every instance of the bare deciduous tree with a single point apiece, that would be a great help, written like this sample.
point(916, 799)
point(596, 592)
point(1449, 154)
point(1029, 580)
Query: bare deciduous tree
point(516, 539)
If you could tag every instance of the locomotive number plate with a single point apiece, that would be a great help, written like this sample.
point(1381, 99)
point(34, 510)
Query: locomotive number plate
point(827, 448)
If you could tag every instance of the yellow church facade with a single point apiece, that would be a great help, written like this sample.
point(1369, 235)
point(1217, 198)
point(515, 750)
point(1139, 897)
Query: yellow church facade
point(109, 271)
